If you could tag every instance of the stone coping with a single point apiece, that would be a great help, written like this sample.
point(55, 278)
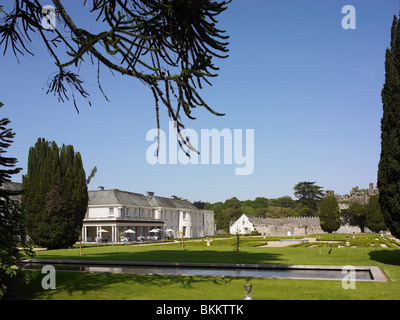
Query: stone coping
point(377, 273)
point(293, 241)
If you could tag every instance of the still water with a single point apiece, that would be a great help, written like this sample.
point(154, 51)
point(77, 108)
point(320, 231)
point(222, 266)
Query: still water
point(210, 272)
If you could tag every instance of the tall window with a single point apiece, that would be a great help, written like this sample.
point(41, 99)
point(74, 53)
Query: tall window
point(111, 211)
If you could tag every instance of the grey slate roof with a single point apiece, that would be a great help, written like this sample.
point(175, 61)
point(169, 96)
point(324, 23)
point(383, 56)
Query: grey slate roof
point(12, 186)
point(119, 197)
point(157, 201)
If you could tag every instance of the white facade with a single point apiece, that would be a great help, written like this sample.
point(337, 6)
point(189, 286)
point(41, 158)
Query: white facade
point(242, 225)
point(188, 222)
point(112, 212)
point(209, 224)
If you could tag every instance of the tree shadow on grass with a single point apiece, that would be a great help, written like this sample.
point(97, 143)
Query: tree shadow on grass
point(388, 256)
point(171, 255)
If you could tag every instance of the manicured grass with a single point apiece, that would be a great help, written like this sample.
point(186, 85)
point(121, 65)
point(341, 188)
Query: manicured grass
point(91, 286)
point(78, 286)
point(226, 254)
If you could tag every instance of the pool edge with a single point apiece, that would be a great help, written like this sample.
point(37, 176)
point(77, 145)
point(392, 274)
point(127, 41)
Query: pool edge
point(377, 274)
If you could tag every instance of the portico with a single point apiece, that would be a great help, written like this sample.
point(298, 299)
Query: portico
point(110, 231)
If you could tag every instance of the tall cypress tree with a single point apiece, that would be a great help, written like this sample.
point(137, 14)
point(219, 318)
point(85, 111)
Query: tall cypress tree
point(375, 220)
point(55, 197)
point(328, 213)
point(389, 165)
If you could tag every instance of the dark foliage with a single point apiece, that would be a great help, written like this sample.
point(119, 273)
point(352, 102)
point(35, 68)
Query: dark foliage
point(389, 165)
point(55, 195)
point(12, 222)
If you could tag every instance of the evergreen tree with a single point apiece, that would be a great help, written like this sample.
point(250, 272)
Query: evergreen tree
point(55, 197)
point(375, 219)
point(389, 165)
point(328, 212)
point(12, 222)
point(308, 194)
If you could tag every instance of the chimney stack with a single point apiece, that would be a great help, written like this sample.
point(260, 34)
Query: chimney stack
point(101, 188)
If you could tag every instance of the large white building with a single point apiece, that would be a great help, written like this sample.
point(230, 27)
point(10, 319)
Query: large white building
point(112, 212)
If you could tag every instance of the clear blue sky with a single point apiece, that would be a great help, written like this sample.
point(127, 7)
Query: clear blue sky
point(309, 89)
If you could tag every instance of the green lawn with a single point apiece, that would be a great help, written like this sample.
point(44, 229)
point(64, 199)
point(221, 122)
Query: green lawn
point(78, 286)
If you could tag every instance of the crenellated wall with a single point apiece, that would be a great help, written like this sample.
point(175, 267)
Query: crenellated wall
point(298, 226)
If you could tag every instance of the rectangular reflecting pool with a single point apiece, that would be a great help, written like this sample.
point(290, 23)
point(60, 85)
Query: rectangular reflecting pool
point(214, 270)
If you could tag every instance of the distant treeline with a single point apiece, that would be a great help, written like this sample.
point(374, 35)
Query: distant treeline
point(233, 208)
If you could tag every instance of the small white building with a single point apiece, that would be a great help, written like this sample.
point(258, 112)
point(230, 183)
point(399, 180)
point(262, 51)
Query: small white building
point(112, 212)
point(243, 225)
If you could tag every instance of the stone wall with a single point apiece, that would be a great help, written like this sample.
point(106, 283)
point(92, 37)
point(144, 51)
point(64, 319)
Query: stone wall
point(346, 228)
point(297, 226)
point(281, 227)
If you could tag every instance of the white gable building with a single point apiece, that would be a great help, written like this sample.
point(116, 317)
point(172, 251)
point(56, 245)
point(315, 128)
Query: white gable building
point(243, 225)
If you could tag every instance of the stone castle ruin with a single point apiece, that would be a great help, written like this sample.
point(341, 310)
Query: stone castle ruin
point(356, 195)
